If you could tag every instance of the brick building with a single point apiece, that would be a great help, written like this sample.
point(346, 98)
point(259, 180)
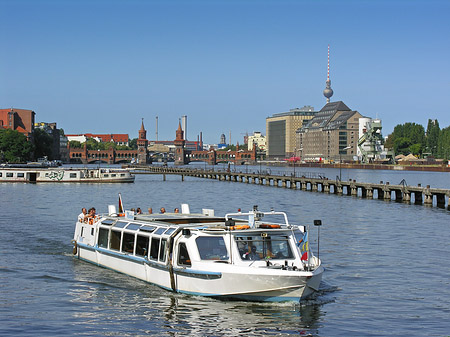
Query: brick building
point(21, 120)
point(332, 134)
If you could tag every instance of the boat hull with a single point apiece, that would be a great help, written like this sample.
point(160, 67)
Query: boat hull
point(227, 281)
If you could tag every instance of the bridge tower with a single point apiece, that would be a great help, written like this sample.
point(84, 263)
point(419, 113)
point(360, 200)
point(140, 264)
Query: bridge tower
point(142, 142)
point(180, 158)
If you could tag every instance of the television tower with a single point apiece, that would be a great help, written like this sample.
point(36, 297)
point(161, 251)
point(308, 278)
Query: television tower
point(328, 92)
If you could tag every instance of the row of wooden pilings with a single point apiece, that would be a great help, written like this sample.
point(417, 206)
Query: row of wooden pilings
point(419, 195)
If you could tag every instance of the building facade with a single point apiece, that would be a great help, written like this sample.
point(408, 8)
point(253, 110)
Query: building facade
point(21, 120)
point(331, 135)
point(258, 140)
point(281, 141)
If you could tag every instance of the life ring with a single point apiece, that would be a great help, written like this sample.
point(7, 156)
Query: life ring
point(239, 227)
point(75, 247)
point(269, 226)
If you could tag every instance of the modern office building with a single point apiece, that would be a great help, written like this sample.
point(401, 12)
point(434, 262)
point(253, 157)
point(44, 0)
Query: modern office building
point(281, 131)
point(332, 134)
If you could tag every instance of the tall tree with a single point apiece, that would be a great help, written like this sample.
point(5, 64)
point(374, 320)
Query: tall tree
point(43, 144)
point(433, 131)
point(443, 147)
point(14, 147)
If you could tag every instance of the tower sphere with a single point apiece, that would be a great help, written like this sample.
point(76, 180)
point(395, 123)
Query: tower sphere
point(328, 92)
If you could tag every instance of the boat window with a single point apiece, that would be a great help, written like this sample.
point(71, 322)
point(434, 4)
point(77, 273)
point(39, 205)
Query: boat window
point(169, 231)
point(108, 222)
point(128, 243)
point(115, 240)
point(154, 248)
point(113, 175)
point(121, 224)
point(183, 255)
point(106, 175)
point(162, 250)
point(264, 247)
point(103, 237)
point(133, 227)
point(20, 175)
point(160, 230)
point(212, 248)
point(73, 175)
point(142, 245)
point(1, 174)
point(147, 229)
point(9, 174)
point(122, 174)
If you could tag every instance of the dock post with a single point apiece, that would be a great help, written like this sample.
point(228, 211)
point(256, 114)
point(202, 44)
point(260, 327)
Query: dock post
point(182, 177)
point(325, 188)
point(428, 196)
point(406, 196)
point(164, 177)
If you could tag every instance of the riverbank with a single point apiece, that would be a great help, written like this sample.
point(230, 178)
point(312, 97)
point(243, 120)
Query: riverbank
point(397, 167)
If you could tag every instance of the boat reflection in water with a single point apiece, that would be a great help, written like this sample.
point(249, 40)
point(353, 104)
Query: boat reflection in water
point(144, 310)
point(244, 256)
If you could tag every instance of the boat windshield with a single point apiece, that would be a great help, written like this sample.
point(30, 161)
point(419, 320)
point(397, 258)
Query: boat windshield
point(212, 248)
point(257, 247)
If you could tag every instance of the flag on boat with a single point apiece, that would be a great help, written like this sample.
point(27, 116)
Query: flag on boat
point(303, 245)
point(121, 210)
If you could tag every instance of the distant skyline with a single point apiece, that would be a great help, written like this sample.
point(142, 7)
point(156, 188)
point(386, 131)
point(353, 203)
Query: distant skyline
point(100, 66)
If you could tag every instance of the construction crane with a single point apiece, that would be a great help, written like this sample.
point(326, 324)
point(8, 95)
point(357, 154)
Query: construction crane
point(370, 142)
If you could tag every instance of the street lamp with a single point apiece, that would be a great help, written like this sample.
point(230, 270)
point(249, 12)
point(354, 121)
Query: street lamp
point(340, 161)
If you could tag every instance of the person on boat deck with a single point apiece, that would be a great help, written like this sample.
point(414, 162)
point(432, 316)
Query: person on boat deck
point(162, 210)
point(133, 210)
point(176, 210)
point(82, 215)
point(91, 214)
point(252, 255)
point(138, 210)
point(150, 210)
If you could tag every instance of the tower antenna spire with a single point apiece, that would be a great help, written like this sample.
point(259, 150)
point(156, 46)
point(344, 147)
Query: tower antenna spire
point(328, 66)
point(328, 92)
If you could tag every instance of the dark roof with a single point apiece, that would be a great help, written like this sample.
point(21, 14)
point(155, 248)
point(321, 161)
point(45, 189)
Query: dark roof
point(335, 106)
point(324, 118)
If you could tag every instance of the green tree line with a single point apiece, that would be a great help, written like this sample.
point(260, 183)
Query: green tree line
point(413, 138)
point(92, 144)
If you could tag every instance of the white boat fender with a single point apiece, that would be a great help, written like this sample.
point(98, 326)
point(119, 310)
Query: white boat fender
point(75, 247)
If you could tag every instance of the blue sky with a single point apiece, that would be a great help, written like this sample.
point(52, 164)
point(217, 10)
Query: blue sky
point(100, 66)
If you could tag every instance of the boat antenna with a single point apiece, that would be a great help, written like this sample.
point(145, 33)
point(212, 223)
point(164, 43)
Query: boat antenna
point(318, 223)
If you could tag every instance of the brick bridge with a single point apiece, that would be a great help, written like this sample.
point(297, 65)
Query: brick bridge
point(110, 156)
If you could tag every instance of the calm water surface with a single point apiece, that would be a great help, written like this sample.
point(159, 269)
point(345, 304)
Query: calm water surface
point(387, 264)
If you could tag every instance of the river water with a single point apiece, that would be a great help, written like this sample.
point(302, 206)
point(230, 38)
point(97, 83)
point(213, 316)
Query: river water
point(387, 264)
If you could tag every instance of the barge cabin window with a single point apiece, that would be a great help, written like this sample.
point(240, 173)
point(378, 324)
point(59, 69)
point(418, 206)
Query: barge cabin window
point(103, 237)
point(73, 175)
point(20, 175)
point(142, 245)
point(212, 248)
point(115, 240)
point(154, 248)
point(183, 255)
point(128, 243)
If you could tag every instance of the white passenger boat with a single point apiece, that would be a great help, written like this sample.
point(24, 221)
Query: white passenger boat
point(241, 256)
point(32, 174)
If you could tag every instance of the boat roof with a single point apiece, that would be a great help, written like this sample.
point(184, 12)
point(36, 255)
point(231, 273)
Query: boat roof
point(158, 222)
